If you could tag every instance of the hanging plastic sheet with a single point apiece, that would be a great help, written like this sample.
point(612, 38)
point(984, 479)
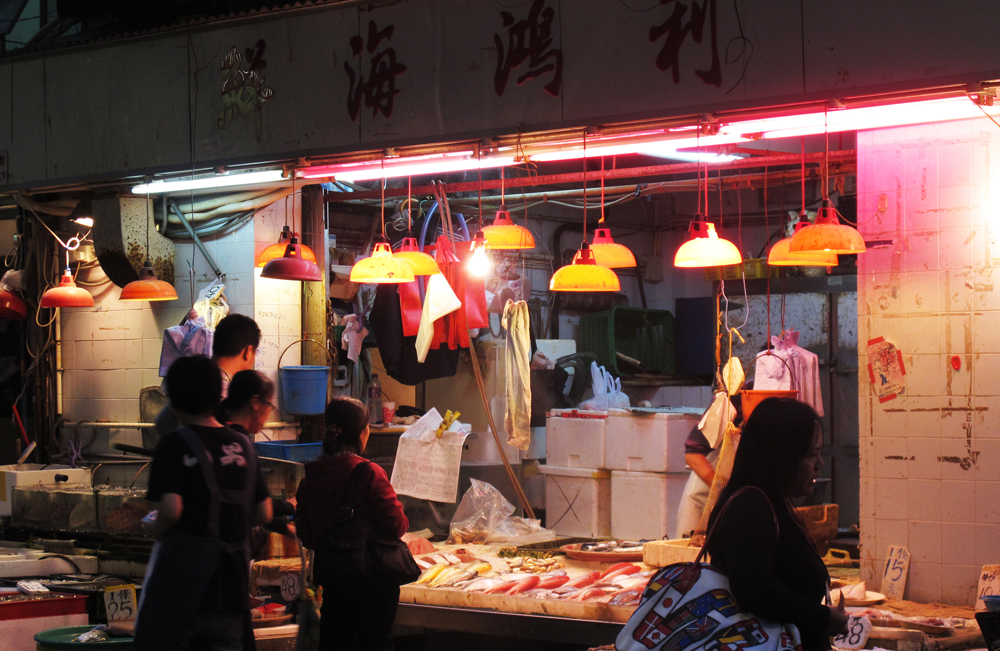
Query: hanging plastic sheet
point(517, 360)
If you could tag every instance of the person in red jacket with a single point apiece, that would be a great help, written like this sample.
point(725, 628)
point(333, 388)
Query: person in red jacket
point(355, 614)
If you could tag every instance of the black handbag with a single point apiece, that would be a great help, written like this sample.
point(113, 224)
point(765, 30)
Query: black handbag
point(353, 548)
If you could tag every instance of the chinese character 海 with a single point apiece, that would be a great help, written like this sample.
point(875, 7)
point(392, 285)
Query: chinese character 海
point(529, 41)
point(379, 91)
point(676, 29)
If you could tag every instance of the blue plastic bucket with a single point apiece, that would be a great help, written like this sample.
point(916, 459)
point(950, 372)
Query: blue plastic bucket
point(303, 389)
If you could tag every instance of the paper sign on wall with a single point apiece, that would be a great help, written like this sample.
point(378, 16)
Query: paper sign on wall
point(120, 603)
point(989, 583)
point(897, 564)
point(886, 369)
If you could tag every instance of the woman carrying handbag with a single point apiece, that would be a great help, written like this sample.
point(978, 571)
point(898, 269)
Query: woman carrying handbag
point(348, 514)
point(766, 585)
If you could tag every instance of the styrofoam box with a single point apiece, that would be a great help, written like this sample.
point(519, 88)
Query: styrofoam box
point(577, 501)
point(648, 441)
point(575, 438)
point(644, 504)
point(36, 474)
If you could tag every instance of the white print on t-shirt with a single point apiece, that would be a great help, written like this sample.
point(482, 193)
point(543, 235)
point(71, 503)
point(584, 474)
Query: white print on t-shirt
point(233, 454)
point(190, 461)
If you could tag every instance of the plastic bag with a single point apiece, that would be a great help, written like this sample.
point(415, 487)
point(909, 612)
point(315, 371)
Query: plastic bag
point(607, 391)
point(521, 531)
point(483, 507)
point(212, 305)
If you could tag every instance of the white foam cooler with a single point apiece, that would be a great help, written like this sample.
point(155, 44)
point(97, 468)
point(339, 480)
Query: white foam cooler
point(575, 438)
point(644, 504)
point(577, 501)
point(648, 440)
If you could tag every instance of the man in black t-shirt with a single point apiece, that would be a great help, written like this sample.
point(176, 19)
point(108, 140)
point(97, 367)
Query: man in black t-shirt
point(211, 491)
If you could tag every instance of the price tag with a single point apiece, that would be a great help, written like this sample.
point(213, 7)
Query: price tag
point(989, 583)
point(856, 637)
point(120, 603)
point(897, 563)
point(290, 588)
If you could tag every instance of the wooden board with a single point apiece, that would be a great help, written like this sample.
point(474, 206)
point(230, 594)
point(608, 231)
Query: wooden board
point(413, 594)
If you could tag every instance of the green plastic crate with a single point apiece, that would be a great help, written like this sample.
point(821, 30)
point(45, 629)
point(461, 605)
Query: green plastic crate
point(644, 335)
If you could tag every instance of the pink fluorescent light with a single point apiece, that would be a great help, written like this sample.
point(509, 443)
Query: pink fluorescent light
point(871, 117)
point(639, 146)
point(412, 166)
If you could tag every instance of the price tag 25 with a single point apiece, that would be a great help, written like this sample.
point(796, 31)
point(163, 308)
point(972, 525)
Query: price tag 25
point(120, 603)
point(856, 637)
point(897, 564)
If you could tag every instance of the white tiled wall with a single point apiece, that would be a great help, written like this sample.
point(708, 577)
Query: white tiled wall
point(930, 459)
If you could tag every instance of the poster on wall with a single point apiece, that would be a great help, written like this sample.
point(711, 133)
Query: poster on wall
point(886, 369)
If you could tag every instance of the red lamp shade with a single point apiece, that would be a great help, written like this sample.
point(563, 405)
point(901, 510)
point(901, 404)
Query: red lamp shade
point(147, 288)
point(67, 294)
point(705, 248)
point(423, 264)
point(12, 307)
point(292, 266)
point(781, 256)
point(503, 233)
point(584, 275)
point(827, 234)
point(608, 253)
point(275, 251)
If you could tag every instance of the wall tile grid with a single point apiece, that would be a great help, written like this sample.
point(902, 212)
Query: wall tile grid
point(111, 351)
point(929, 457)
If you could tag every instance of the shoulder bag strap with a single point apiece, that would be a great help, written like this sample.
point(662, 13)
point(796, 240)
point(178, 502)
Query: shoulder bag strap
point(350, 500)
point(722, 514)
point(208, 472)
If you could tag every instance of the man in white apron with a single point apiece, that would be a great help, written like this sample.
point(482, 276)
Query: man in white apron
point(701, 453)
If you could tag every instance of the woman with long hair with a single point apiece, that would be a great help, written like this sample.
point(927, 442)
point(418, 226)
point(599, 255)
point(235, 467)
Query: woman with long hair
point(249, 403)
point(774, 569)
point(356, 614)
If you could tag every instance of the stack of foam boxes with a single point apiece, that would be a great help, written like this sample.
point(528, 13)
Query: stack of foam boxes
point(616, 473)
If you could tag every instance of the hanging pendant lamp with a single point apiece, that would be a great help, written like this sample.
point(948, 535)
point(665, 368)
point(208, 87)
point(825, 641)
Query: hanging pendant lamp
point(67, 294)
point(275, 251)
point(781, 256)
point(382, 267)
point(705, 248)
point(148, 287)
point(503, 233)
point(12, 307)
point(584, 274)
point(423, 264)
point(479, 264)
point(294, 264)
point(827, 234)
point(606, 251)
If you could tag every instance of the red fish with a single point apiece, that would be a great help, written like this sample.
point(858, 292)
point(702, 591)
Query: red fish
point(588, 593)
point(614, 569)
point(551, 582)
point(622, 571)
point(525, 584)
point(503, 588)
point(584, 580)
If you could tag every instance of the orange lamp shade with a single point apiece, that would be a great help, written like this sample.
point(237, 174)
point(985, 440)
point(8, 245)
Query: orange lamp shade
point(67, 294)
point(705, 248)
point(584, 275)
point(781, 256)
point(423, 264)
point(608, 253)
point(292, 265)
point(503, 233)
point(827, 234)
point(12, 307)
point(275, 251)
point(382, 268)
point(148, 287)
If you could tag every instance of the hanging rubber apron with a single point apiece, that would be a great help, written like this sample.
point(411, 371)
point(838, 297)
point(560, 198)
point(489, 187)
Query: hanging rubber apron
point(185, 564)
point(693, 500)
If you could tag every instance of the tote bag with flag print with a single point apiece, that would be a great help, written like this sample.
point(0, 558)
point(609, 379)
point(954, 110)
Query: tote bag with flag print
point(688, 607)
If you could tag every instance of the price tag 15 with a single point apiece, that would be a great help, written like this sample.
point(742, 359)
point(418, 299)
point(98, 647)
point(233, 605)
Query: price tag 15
point(856, 637)
point(989, 583)
point(897, 564)
point(120, 603)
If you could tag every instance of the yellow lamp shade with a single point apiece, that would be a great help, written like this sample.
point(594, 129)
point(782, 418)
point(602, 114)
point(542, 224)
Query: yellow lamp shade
point(67, 294)
point(503, 233)
point(423, 264)
point(275, 251)
point(147, 288)
point(382, 268)
point(781, 256)
point(608, 253)
point(827, 234)
point(705, 248)
point(584, 275)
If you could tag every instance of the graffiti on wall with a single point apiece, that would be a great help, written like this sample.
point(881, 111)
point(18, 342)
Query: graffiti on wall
point(243, 89)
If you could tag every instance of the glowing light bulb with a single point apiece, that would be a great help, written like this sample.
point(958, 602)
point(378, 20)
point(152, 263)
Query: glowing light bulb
point(480, 264)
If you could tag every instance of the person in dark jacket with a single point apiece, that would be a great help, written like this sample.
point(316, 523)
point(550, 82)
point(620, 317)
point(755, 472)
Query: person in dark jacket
point(773, 567)
point(355, 614)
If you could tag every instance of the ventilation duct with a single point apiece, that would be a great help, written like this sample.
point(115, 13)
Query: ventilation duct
point(121, 225)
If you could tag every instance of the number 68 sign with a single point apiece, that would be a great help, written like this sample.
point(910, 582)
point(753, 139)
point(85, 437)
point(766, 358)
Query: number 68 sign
point(120, 603)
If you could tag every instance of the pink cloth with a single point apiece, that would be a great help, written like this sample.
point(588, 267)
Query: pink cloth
point(772, 370)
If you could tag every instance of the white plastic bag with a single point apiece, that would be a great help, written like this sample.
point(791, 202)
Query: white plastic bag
point(212, 305)
point(607, 391)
